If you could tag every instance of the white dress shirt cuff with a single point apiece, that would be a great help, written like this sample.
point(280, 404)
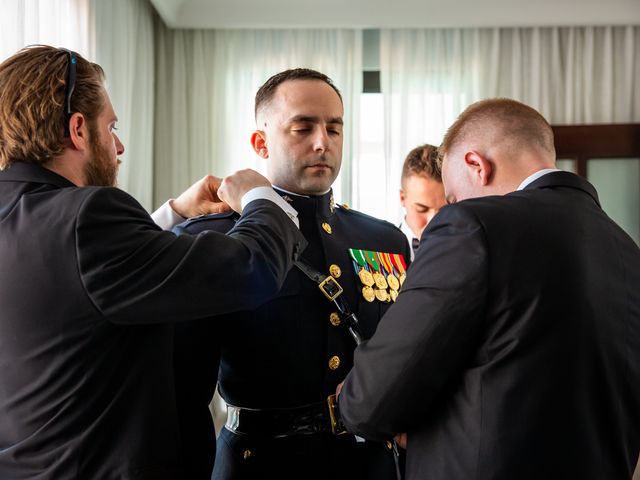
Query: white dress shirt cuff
point(268, 193)
point(165, 217)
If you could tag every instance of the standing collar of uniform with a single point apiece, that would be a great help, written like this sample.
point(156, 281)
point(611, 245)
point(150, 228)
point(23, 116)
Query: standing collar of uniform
point(323, 204)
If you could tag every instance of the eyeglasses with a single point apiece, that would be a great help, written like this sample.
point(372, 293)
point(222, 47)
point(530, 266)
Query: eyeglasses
point(71, 85)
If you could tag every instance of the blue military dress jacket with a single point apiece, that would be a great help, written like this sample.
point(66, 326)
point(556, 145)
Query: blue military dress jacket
point(293, 350)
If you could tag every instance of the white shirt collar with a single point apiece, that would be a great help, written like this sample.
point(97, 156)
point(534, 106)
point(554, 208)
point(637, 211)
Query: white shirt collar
point(409, 234)
point(406, 229)
point(535, 176)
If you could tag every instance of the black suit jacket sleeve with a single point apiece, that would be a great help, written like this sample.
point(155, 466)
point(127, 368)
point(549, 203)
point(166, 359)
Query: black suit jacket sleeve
point(136, 273)
point(426, 337)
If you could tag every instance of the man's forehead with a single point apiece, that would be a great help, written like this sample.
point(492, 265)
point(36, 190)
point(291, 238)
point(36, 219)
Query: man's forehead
point(108, 110)
point(302, 118)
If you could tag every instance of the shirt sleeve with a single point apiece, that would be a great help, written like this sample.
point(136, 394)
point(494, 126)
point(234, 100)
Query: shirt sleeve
point(267, 193)
point(166, 217)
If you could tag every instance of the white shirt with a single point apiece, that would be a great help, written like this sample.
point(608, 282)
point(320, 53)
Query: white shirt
point(166, 218)
point(406, 229)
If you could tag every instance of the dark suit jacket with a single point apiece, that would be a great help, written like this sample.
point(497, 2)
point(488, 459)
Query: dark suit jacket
point(88, 288)
point(513, 351)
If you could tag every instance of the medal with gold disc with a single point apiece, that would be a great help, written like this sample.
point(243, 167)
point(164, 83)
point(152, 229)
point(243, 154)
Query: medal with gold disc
point(393, 282)
point(398, 263)
point(393, 294)
point(368, 293)
point(372, 260)
point(362, 268)
point(381, 295)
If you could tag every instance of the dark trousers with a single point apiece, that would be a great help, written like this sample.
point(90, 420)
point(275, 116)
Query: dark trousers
point(309, 457)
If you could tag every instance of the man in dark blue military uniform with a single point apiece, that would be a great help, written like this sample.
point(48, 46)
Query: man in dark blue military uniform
point(279, 363)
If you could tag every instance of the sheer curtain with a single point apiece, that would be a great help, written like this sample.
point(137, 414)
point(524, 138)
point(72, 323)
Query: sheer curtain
point(184, 109)
point(206, 84)
point(124, 46)
point(50, 22)
point(571, 75)
point(118, 35)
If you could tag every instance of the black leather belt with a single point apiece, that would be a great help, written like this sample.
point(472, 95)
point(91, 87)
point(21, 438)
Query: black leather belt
point(309, 419)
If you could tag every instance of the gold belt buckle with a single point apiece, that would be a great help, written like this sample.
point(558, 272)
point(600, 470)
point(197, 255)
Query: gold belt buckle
point(327, 280)
point(336, 429)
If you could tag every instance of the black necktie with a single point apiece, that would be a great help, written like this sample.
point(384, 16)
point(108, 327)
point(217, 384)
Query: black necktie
point(415, 244)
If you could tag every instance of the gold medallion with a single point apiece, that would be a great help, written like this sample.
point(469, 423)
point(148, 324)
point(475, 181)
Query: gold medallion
point(366, 278)
point(381, 283)
point(367, 293)
point(381, 294)
point(394, 295)
point(402, 277)
point(393, 282)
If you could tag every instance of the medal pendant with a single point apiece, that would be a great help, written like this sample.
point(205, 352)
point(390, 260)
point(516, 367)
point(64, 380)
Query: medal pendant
point(381, 283)
point(367, 293)
point(394, 295)
point(393, 282)
point(381, 294)
point(366, 278)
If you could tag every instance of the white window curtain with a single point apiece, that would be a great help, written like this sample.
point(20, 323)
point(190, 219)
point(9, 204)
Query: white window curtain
point(572, 75)
point(118, 35)
point(59, 23)
point(124, 39)
point(206, 84)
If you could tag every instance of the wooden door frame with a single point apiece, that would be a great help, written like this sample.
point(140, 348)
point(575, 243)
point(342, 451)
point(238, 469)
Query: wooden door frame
point(582, 142)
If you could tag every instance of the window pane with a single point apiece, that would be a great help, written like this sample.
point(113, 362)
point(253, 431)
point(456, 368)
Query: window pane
point(566, 164)
point(618, 185)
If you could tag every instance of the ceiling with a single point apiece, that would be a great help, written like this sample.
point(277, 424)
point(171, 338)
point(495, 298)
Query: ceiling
point(394, 13)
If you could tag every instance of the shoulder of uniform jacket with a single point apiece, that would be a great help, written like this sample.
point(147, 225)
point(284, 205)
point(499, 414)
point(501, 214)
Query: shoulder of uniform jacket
point(344, 208)
point(215, 217)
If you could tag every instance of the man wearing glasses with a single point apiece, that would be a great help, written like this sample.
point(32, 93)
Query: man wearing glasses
point(89, 284)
